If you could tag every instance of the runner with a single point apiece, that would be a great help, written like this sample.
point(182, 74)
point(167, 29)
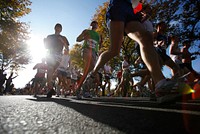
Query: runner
point(107, 77)
point(120, 19)
point(64, 73)
point(176, 54)
point(161, 43)
point(187, 58)
point(119, 75)
point(144, 73)
point(145, 78)
point(39, 80)
point(55, 44)
point(124, 85)
point(90, 50)
point(74, 78)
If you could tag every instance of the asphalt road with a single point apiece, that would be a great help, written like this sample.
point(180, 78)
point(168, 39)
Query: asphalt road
point(29, 115)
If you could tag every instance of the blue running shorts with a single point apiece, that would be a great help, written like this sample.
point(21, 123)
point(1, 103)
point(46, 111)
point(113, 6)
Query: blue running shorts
point(120, 10)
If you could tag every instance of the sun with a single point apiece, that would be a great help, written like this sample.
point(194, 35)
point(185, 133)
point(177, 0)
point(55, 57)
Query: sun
point(36, 47)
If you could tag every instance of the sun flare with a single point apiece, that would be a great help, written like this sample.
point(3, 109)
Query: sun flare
point(36, 47)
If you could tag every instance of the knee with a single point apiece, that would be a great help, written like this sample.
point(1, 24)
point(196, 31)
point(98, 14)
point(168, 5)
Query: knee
point(146, 39)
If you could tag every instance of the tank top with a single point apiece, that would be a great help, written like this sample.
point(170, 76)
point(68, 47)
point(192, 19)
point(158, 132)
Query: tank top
point(93, 42)
point(55, 45)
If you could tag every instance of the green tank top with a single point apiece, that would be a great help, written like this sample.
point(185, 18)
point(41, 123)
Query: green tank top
point(93, 42)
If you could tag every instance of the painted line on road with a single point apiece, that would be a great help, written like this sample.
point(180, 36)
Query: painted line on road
point(140, 108)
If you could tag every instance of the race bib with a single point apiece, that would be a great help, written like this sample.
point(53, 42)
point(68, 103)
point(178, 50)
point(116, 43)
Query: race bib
point(91, 43)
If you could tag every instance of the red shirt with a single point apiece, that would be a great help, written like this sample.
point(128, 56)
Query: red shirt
point(119, 74)
point(41, 70)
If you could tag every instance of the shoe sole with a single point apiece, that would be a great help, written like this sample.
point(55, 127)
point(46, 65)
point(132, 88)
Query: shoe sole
point(78, 96)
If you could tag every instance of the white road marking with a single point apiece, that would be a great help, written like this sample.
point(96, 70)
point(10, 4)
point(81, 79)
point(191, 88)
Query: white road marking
point(139, 107)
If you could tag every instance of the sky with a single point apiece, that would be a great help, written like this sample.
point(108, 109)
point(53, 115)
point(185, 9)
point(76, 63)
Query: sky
point(74, 15)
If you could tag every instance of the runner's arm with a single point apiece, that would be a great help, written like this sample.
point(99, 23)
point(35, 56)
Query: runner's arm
point(82, 36)
point(173, 50)
point(35, 67)
point(64, 41)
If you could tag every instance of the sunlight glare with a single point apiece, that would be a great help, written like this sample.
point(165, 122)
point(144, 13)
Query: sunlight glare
point(36, 47)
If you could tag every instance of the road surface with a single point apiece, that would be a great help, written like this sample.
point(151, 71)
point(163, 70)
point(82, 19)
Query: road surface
point(21, 114)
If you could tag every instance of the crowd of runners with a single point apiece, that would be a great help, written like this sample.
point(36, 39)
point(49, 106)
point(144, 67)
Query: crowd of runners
point(122, 17)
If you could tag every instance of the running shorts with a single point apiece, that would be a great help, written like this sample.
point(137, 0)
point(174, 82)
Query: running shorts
point(120, 10)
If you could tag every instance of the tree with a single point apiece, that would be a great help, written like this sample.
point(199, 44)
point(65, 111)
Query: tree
point(182, 17)
point(76, 56)
point(13, 33)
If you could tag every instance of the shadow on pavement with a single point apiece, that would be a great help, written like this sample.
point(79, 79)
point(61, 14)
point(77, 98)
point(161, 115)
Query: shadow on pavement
point(130, 120)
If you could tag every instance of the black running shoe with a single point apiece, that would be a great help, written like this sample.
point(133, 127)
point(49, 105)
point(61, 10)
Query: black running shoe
point(50, 93)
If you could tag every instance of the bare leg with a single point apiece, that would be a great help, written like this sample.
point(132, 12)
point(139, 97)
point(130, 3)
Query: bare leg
point(136, 31)
point(49, 77)
point(151, 85)
point(88, 66)
point(116, 36)
point(120, 86)
point(173, 66)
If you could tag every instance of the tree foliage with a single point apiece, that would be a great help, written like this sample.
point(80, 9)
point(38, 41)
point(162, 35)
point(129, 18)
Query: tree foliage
point(13, 33)
point(182, 17)
point(76, 56)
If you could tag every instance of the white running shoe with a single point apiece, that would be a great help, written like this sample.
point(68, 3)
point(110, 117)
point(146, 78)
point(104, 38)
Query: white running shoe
point(167, 91)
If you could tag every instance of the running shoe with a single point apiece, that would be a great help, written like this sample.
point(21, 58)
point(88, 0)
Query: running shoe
point(87, 84)
point(78, 93)
point(89, 80)
point(87, 95)
point(168, 91)
point(50, 93)
point(86, 90)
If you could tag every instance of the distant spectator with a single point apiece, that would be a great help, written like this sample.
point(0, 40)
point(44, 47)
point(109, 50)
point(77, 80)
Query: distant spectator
point(9, 84)
point(2, 80)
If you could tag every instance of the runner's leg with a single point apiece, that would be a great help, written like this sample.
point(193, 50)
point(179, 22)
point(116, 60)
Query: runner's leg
point(116, 36)
point(136, 31)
